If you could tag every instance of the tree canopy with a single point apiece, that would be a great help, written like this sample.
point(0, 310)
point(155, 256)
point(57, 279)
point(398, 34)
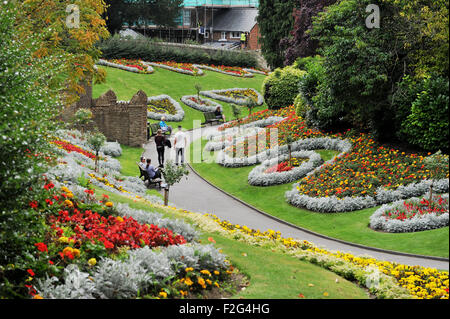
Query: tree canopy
point(275, 20)
point(139, 12)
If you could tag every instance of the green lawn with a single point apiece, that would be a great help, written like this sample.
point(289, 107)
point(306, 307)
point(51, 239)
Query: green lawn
point(271, 275)
point(126, 84)
point(351, 226)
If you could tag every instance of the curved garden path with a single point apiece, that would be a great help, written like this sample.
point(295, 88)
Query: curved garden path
point(197, 195)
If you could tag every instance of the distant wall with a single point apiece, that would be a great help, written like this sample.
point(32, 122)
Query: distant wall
point(125, 122)
point(121, 121)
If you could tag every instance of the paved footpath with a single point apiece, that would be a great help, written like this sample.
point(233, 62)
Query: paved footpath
point(195, 194)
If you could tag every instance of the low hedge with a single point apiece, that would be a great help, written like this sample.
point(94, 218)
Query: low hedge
point(116, 47)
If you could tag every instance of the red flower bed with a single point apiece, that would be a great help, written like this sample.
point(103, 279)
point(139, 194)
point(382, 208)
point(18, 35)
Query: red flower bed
point(69, 147)
point(230, 69)
point(182, 66)
point(137, 64)
point(412, 208)
point(282, 167)
point(114, 232)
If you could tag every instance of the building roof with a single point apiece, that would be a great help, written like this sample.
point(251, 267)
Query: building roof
point(221, 3)
point(234, 19)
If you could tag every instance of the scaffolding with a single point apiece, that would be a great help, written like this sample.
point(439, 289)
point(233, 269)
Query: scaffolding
point(221, 3)
point(201, 13)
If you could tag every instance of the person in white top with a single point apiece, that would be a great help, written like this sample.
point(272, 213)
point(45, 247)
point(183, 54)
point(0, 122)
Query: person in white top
point(180, 144)
point(143, 163)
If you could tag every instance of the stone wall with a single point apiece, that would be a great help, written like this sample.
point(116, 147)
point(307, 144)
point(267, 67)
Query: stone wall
point(121, 121)
point(125, 122)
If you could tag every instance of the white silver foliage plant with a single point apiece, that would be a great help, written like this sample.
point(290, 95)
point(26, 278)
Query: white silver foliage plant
point(259, 177)
point(379, 221)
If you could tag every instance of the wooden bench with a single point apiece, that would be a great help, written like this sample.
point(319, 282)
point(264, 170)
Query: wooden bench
point(210, 118)
point(153, 129)
point(156, 182)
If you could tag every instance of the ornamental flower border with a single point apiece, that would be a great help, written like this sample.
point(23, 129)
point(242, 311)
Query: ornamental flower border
point(178, 117)
point(255, 71)
point(258, 177)
point(213, 94)
point(417, 223)
point(210, 68)
point(327, 143)
point(124, 67)
point(334, 204)
point(187, 100)
point(166, 67)
point(224, 142)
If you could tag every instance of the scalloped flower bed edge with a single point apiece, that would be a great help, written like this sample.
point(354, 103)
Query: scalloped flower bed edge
point(178, 117)
point(213, 94)
point(417, 223)
point(187, 100)
point(178, 70)
point(123, 67)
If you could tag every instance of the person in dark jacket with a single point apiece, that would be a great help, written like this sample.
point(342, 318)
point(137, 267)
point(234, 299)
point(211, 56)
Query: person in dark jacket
point(160, 141)
point(153, 172)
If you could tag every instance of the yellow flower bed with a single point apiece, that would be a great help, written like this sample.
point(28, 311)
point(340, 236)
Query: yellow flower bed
point(420, 282)
point(107, 183)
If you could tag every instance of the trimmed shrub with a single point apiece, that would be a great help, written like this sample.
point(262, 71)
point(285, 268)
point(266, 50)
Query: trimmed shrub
point(281, 87)
point(427, 125)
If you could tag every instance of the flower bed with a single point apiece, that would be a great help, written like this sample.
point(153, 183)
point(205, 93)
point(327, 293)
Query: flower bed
point(90, 251)
point(395, 281)
point(292, 125)
point(229, 70)
point(415, 214)
point(278, 171)
point(239, 159)
point(256, 71)
point(112, 232)
point(221, 139)
point(135, 66)
point(69, 147)
point(184, 68)
point(367, 176)
point(257, 116)
point(73, 166)
point(237, 96)
point(163, 106)
point(202, 105)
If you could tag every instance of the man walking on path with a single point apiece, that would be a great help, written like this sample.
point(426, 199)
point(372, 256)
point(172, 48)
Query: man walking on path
point(180, 144)
point(160, 141)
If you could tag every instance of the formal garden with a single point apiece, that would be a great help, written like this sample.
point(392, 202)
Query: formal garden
point(349, 141)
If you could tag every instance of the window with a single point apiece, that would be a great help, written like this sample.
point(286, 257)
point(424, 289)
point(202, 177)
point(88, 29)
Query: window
point(235, 35)
point(224, 36)
point(206, 35)
point(187, 17)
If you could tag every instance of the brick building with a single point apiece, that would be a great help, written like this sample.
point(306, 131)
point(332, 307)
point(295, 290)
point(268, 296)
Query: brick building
point(229, 24)
point(218, 23)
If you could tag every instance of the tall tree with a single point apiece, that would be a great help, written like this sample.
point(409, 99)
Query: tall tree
point(119, 12)
point(141, 12)
point(361, 66)
point(275, 20)
point(426, 35)
point(67, 30)
point(300, 43)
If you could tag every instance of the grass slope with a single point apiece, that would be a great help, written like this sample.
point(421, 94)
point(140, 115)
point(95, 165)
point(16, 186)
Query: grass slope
point(350, 226)
point(126, 84)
